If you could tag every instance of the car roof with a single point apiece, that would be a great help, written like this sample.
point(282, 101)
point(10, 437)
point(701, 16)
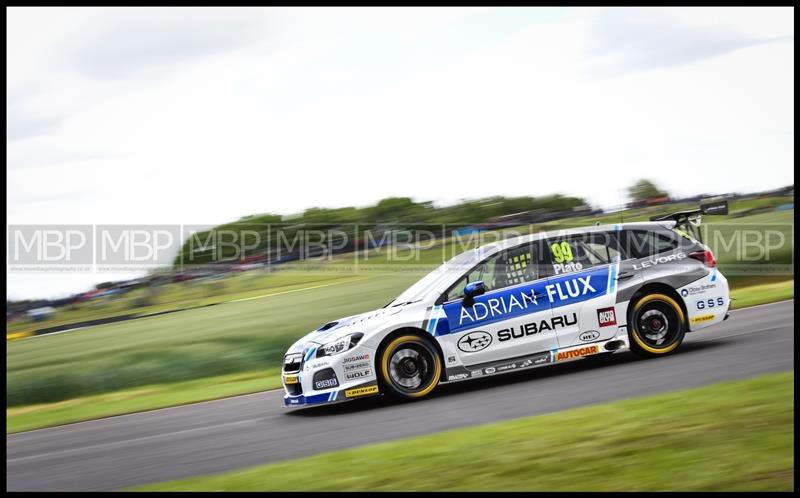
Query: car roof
point(514, 241)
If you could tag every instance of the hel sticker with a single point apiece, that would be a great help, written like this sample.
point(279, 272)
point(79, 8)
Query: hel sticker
point(290, 379)
point(703, 318)
point(360, 391)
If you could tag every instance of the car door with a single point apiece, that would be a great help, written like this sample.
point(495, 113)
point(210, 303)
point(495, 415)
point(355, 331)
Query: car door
point(583, 288)
point(512, 318)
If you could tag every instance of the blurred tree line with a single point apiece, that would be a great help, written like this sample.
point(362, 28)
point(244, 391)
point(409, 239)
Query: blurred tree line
point(264, 235)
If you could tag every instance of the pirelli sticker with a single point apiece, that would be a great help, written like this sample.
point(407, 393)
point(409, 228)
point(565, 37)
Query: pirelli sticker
point(703, 318)
point(290, 379)
point(569, 354)
point(360, 391)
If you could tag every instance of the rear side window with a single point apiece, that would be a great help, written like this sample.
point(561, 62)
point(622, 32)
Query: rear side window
point(638, 244)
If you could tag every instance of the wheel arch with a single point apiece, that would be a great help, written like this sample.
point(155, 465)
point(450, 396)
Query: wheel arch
point(657, 288)
point(409, 331)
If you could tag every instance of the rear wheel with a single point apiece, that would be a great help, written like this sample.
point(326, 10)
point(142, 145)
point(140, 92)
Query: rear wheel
point(410, 367)
point(657, 325)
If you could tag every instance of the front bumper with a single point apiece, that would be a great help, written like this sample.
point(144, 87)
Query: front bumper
point(330, 379)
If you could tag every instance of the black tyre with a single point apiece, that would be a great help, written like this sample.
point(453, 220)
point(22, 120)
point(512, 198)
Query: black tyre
point(409, 367)
point(657, 325)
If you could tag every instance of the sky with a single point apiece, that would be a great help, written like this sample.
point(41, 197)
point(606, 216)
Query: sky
point(205, 115)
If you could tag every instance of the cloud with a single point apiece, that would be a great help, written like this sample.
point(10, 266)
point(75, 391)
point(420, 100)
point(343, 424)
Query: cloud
point(122, 41)
point(630, 40)
point(21, 125)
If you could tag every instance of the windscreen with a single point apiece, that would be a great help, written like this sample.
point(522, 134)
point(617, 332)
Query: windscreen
point(444, 275)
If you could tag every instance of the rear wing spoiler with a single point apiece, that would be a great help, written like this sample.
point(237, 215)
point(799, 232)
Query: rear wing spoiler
point(690, 220)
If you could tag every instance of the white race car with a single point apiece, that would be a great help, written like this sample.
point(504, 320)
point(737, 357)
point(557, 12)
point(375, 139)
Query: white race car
point(520, 303)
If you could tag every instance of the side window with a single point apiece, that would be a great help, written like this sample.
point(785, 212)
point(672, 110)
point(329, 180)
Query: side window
point(515, 266)
point(511, 267)
point(646, 243)
point(582, 251)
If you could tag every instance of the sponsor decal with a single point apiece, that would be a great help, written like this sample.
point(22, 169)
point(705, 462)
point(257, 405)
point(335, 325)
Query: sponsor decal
point(606, 317)
point(357, 374)
point(538, 296)
point(357, 366)
point(569, 354)
point(360, 391)
point(531, 361)
point(709, 303)
point(475, 341)
point(325, 379)
point(570, 288)
point(700, 289)
point(535, 360)
point(316, 364)
point(451, 359)
point(476, 373)
point(703, 318)
point(510, 366)
point(658, 261)
point(326, 383)
point(290, 379)
point(498, 307)
point(458, 376)
point(532, 328)
point(589, 335)
point(559, 268)
point(352, 359)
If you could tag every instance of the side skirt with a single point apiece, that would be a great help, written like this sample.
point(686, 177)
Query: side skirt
point(545, 358)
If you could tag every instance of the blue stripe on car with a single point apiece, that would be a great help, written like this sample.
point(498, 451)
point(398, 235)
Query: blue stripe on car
point(541, 295)
point(310, 352)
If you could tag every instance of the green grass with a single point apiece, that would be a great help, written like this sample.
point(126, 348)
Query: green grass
point(139, 399)
point(733, 436)
point(217, 340)
point(762, 294)
point(180, 295)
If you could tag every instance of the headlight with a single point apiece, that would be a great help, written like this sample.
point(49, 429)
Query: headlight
point(339, 345)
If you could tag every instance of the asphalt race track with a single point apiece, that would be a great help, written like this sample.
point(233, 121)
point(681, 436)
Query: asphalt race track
point(226, 434)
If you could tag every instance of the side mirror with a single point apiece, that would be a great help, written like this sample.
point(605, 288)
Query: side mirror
point(473, 289)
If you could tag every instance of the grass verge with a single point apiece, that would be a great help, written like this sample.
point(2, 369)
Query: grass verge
point(733, 436)
point(762, 294)
point(138, 399)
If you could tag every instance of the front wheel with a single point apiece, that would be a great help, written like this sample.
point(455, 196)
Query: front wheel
point(657, 325)
point(409, 367)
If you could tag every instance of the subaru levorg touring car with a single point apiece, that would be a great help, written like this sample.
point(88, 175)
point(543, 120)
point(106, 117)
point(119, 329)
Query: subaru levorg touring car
point(520, 303)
